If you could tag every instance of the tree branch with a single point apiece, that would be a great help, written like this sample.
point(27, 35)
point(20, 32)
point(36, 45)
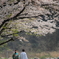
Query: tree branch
point(7, 41)
point(12, 18)
point(28, 17)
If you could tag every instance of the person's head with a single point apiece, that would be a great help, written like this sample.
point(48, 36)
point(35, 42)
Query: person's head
point(15, 51)
point(23, 50)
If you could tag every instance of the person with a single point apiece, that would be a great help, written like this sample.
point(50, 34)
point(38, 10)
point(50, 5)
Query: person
point(15, 55)
point(23, 55)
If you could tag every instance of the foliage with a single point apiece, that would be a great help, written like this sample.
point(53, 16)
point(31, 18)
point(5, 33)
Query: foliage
point(4, 47)
point(9, 15)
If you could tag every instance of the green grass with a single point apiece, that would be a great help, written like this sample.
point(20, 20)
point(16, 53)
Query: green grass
point(42, 57)
point(3, 58)
point(0, 58)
